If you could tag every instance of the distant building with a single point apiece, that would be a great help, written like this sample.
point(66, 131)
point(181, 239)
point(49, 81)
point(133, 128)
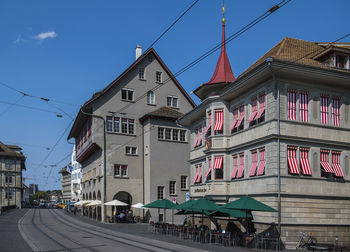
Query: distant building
point(146, 151)
point(25, 195)
point(12, 162)
point(76, 178)
point(33, 189)
point(66, 184)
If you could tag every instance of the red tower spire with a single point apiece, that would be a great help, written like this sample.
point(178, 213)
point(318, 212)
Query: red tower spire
point(223, 72)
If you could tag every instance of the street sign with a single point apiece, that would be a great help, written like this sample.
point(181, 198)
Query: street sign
point(187, 196)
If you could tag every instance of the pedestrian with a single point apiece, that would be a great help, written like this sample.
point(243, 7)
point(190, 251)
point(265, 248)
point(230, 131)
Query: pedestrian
point(75, 210)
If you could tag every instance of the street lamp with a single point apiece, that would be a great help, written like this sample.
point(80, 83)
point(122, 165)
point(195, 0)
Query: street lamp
point(103, 209)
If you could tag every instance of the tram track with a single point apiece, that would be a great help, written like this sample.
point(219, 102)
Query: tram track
point(120, 239)
point(81, 245)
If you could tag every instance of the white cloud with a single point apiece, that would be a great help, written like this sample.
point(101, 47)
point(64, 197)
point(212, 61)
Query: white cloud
point(19, 39)
point(44, 35)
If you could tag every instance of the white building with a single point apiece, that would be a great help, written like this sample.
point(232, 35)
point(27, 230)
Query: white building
point(76, 178)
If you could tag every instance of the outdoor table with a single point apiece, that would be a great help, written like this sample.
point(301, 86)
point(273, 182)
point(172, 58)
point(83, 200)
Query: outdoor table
point(267, 242)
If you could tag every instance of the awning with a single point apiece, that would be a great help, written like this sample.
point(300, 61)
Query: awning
point(195, 177)
point(235, 119)
point(255, 110)
point(304, 162)
point(254, 163)
point(219, 119)
point(218, 162)
point(209, 169)
point(262, 106)
point(209, 124)
point(115, 203)
point(241, 167)
point(292, 161)
point(94, 203)
point(196, 140)
point(262, 162)
point(199, 178)
point(324, 162)
point(199, 138)
point(235, 166)
point(241, 118)
point(336, 164)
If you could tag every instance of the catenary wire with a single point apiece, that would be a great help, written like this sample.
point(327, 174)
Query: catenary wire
point(193, 4)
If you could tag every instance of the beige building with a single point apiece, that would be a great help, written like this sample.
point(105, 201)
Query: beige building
point(146, 152)
point(12, 162)
point(279, 132)
point(66, 184)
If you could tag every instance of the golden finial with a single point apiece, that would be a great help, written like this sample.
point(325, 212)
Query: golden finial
point(223, 12)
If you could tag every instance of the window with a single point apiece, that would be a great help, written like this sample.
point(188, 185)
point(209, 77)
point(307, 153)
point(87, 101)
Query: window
point(160, 192)
point(240, 123)
point(218, 167)
point(9, 193)
point(130, 150)
point(219, 121)
point(240, 173)
point(120, 170)
point(324, 109)
point(335, 111)
point(142, 73)
point(207, 175)
point(109, 123)
point(198, 139)
point(261, 169)
point(251, 119)
point(8, 180)
point(340, 61)
point(304, 106)
point(207, 131)
point(160, 133)
point(184, 183)
point(172, 187)
point(261, 114)
point(172, 101)
point(292, 160)
point(304, 161)
point(131, 126)
point(171, 134)
point(150, 97)
point(235, 166)
point(326, 168)
point(336, 164)
point(159, 77)
point(116, 124)
point(168, 134)
point(235, 119)
point(124, 125)
point(182, 135)
point(254, 163)
point(175, 134)
point(127, 94)
point(292, 100)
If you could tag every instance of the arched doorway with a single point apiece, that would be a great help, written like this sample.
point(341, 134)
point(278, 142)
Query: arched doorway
point(124, 197)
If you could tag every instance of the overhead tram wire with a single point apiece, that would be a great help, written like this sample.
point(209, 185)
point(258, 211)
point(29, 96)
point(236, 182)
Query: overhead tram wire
point(32, 108)
point(11, 105)
point(193, 4)
point(211, 51)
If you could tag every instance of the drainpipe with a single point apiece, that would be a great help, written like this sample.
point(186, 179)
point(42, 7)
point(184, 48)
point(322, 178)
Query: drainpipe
point(269, 61)
point(103, 208)
point(143, 170)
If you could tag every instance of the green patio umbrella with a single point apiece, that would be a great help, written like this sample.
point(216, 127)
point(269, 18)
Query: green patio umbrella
point(248, 204)
point(225, 212)
point(184, 205)
point(164, 204)
point(202, 206)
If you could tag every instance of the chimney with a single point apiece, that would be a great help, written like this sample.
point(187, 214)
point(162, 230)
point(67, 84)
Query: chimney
point(138, 51)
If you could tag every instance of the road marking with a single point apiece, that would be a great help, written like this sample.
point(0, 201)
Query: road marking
point(24, 236)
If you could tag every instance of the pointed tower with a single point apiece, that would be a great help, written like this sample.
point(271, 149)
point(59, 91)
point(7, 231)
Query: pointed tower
point(223, 74)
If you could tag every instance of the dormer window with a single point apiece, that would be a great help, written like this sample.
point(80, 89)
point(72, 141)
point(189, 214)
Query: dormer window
point(341, 61)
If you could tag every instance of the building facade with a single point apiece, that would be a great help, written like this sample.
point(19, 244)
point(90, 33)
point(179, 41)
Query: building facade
point(12, 162)
point(279, 133)
point(76, 178)
point(33, 189)
point(139, 110)
point(66, 184)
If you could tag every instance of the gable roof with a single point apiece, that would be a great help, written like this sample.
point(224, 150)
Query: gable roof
point(6, 151)
point(297, 51)
point(163, 113)
point(99, 94)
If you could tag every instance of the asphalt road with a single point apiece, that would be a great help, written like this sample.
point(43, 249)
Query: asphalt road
point(52, 230)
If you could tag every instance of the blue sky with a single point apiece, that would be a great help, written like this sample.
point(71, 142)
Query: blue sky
point(67, 50)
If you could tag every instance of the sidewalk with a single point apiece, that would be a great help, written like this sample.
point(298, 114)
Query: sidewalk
point(141, 229)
